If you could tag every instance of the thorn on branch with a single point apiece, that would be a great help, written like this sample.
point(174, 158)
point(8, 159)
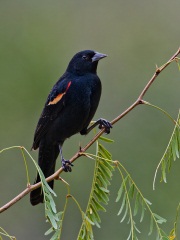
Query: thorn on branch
point(140, 101)
point(81, 151)
point(158, 70)
point(80, 147)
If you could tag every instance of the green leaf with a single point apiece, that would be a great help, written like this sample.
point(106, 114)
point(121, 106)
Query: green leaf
point(129, 236)
point(106, 139)
point(176, 145)
point(104, 189)
point(122, 204)
point(102, 182)
point(105, 170)
point(107, 163)
point(142, 211)
point(55, 236)
point(122, 187)
point(136, 207)
point(86, 217)
point(103, 150)
point(169, 163)
point(163, 167)
point(94, 220)
point(159, 218)
point(83, 233)
point(50, 202)
point(95, 213)
point(102, 176)
point(173, 151)
point(98, 205)
point(100, 197)
point(103, 195)
point(49, 231)
point(131, 191)
point(137, 230)
point(51, 219)
point(147, 201)
point(151, 226)
point(125, 213)
point(120, 192)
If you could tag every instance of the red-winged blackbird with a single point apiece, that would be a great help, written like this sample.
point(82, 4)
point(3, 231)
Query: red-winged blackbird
point(68, 110)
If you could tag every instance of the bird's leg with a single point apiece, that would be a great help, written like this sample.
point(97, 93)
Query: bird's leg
point(103, 123)
point(66, 164)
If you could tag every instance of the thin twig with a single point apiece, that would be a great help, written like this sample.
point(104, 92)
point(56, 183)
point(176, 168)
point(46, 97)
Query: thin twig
point(79, 154)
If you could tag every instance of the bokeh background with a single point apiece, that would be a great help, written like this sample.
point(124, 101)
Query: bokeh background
point(37, 40)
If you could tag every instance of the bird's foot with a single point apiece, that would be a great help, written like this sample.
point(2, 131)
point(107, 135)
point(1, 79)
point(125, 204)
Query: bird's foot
point(66, 164)
point(103, 123)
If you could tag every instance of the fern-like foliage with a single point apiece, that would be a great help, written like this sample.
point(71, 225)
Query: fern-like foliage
point(99, 192)
point(51, 214)
point(171, 153)
point(134, 204)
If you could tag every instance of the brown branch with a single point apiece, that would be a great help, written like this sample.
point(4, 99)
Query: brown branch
point(80, 153)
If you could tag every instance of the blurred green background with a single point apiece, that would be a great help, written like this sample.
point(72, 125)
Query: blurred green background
point(37, 40)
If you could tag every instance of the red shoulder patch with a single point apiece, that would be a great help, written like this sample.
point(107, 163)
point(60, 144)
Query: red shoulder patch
point(59, 96)
point(69, 84)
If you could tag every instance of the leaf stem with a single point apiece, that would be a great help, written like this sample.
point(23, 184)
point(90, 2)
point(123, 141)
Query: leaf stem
point(162, 110)
point(25, 162)
point(163, 157)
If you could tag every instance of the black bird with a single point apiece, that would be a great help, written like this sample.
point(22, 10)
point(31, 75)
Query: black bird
point(68, 110)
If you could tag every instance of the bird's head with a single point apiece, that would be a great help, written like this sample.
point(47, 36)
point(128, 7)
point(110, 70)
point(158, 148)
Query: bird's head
point(85, 62)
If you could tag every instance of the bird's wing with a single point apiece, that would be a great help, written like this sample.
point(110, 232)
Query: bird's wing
point(53, 106)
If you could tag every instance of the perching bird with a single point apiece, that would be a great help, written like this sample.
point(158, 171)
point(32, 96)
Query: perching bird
point(68, 110)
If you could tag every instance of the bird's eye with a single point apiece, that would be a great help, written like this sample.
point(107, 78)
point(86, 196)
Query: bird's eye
point(84, 57)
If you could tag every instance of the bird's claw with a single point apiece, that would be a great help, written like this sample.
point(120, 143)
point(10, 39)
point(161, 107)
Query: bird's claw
point(66, 164)
point(105, 124)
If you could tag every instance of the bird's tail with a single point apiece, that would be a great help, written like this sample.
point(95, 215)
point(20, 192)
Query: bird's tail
point(46, 160)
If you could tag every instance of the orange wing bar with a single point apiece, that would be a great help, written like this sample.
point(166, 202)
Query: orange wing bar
point(59, 96)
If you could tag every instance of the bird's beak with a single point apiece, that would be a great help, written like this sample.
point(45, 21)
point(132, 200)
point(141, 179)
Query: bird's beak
point(97, 56)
